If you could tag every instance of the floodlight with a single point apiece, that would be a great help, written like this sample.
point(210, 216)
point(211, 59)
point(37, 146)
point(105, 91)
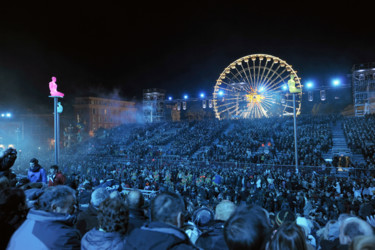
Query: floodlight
point(336, 82)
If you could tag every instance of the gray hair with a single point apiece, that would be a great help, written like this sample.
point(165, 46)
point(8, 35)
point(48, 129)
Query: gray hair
point(56, 195)
point(98, 196)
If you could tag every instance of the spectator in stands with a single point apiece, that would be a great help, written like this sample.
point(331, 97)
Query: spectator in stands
point(50, 226)
point(88, 219)
point(164, 231)
point(137, 217)
point(213, 238)
point(13, 211)
point(247, 228)
point(55, 176)
point(36, 172)
point(113, 216)
point(289, 236)
point(352, 227)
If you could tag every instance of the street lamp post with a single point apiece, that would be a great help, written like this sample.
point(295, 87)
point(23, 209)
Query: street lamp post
point(295, 132)
point(293, 90)
point(57, 108)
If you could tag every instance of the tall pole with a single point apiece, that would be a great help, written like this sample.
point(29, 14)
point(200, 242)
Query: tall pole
point(56, 127)
point(58, 137)
point(295, 132)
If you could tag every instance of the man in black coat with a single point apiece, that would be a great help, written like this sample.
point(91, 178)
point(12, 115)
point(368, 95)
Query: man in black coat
point(164, 231)
point(214, 237)
point(135, 202)
point(87, 220)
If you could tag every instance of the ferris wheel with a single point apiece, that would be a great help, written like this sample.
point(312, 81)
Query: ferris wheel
point(255, 86)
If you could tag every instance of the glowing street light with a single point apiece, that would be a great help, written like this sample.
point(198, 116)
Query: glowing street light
point(285, 87)
point(202, 95)
point(309, 85)
point(7, 115)
point(186, 97)
point(221, 93)
point(336, 82)
point(170, 98)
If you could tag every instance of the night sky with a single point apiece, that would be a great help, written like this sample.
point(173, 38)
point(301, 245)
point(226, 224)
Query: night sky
point(108, 49)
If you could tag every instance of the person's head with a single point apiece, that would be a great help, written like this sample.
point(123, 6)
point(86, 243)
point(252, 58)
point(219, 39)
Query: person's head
point(33, 162)
point(247, 228)
point(363, 243)
point(352, 227)
point(12, 204)
point(331, 230)
point(168, 208)
point(224, 210)
point(113, 216)
point(53, 169)
point(289, 236)
point(58, 199)
point(203, 218)
point(284, 216)
point(98, 196)
point(135, 199)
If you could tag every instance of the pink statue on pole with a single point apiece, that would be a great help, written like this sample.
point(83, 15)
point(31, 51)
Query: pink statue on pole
point(53, 88)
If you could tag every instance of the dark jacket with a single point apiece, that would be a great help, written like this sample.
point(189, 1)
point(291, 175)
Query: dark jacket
point(158, 235)
point(137, 219)
point(87, 220)
point(213, 238)
point(45, 230)
point(95, 239)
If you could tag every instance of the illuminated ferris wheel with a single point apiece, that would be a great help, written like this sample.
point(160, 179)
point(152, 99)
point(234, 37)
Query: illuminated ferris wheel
point(256, 86)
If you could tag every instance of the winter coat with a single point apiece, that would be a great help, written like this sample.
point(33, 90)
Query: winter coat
point(87, 220)
point(136, 219)
point(37, 174)
point(45, 230)
point(158, 235)
point(213, 238)
point(95, 239)
point(57, 179)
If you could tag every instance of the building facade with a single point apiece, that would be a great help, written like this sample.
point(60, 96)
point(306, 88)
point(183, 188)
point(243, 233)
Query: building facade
point(95, 112)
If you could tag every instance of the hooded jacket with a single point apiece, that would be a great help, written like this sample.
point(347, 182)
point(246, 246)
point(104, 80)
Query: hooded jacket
point(45, 230)
point(95, 239)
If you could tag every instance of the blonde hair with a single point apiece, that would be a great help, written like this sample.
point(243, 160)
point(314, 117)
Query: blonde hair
point(224, 210)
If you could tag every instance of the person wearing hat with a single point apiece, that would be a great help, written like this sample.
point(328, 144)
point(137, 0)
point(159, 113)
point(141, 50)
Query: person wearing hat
point(36, 173)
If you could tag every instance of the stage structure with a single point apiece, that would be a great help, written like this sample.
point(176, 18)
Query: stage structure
point(363, 87)
point(256, 86)
point(153, 105)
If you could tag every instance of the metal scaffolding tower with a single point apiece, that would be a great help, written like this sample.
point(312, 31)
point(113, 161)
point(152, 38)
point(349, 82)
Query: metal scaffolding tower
point(153, 105)
point(363, 86)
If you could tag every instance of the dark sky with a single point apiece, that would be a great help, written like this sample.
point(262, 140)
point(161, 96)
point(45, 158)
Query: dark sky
point(108, 48)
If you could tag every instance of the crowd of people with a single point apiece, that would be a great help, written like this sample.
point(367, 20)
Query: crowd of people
point(119, 190)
